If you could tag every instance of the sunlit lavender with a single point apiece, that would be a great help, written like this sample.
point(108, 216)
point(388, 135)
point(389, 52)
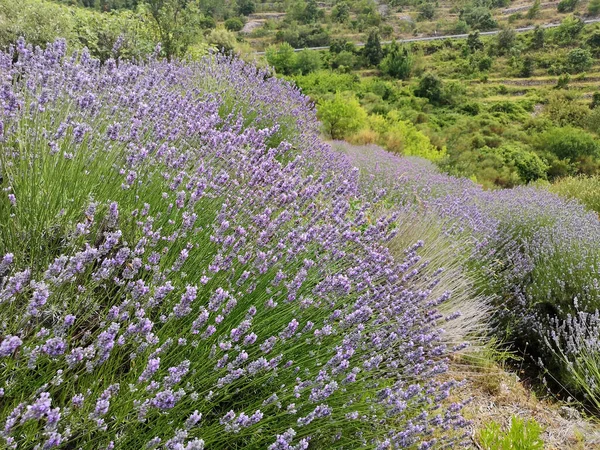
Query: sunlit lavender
point(534, 254)
point(185, 266)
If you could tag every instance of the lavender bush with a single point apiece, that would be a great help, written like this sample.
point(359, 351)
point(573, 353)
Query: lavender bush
point(184, 266)
point(534, 254)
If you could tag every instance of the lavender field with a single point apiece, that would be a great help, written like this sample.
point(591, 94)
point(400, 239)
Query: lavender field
point(186, 265)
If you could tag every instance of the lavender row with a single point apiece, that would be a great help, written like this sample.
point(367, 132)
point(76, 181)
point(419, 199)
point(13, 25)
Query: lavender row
point(185, 266)
point(535, 254)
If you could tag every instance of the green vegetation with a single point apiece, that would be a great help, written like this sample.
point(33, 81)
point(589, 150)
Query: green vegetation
point(584, 189)
point(521, 435)
point(504, 110)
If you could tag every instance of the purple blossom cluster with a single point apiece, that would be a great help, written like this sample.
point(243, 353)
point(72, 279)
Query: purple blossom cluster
point(200, 269)
point(537, 255)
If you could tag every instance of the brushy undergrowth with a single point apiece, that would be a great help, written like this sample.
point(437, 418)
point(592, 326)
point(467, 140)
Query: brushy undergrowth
point(584, 189)
point(184, 265)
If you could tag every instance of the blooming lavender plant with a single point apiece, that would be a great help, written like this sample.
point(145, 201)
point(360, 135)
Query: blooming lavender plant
point(535, 255)
point(196, 272)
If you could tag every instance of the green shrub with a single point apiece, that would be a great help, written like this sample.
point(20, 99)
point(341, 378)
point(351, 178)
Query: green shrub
point(568, 30)
point(38, 22)
point(430, 87)
point(327, 82)
point(307, 61)
point(223, 40)
point(579, 60)
point(479, 18)
point(522, 435)
point(282, 58)
point(398, 62)
point(594, 7)
point(564, 109)
point(565, 6)
point(568, 143)
point(426, 11)
point(345, 61)
point(234, 24)
point(341, 115)
point(534, 11)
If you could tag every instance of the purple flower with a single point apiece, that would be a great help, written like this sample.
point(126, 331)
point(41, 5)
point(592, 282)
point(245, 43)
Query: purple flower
point(9, 345)
point(165, 400)
point(54, 347)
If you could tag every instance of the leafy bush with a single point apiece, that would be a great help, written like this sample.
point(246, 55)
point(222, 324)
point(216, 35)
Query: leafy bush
point(505, 40)
point(479, 18)
point(372, 50)
point(568, 143)
point(579, 60)
point(565, 6)
point(594, 7)
point(307, 61)
point(565, 109)
point(327, 82)
point(341, 115)
point(38, 22)
point(200, 271)
point(234, 24)
point(397, 62)
point(221, 39)
point(282, 58)
point(568, 30)
point(426, 11)
point(430, 87)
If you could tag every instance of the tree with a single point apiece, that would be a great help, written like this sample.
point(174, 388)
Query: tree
point(307, 61)
point(479, 18)
point(537, 40)
point(430, 87)
point(398, 62)
point(177, 24)
point(527, 67)
point(282, 58)
point(341, 115)
point(372, 50)
point(505, 40)
point(341, 12)
point(474, 42)
point(565, 6)
point(245, 7)
point(579, 60)
point(534, 11)
point(426, 11)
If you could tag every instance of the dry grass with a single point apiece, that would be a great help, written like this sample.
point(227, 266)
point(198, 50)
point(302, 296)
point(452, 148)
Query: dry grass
point(498, 395)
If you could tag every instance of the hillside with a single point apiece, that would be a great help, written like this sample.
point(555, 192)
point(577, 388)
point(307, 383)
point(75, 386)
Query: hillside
point(383, 246)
